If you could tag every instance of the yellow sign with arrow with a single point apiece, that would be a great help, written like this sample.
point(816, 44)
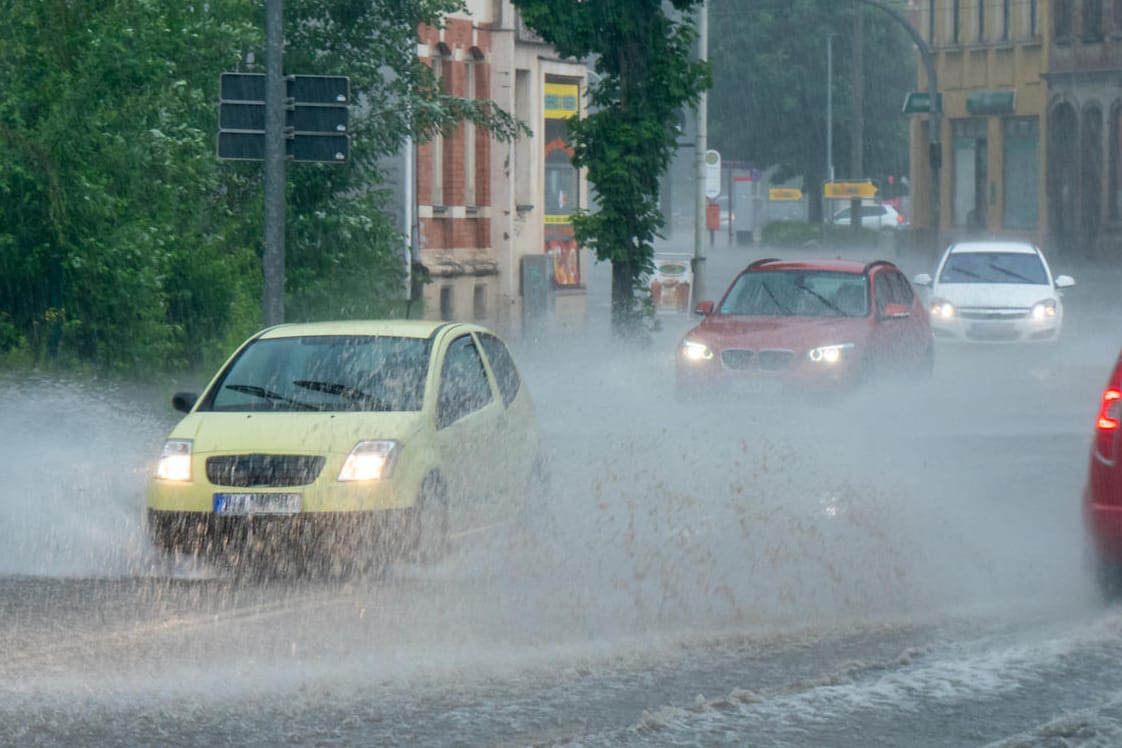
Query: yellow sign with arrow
point(850, 190)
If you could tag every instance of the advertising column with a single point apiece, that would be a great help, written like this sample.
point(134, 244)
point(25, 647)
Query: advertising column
point(561, 183)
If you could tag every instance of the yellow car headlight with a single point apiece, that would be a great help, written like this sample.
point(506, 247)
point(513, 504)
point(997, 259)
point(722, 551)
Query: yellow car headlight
point(829, 354)
point(692, 350)
point(175, 460)
point(371, 459)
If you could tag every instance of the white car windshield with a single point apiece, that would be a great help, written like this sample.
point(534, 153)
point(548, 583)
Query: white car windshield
point(993, 267)
point(325, 373)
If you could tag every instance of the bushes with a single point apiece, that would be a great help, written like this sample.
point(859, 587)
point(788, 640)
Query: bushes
point(794, 234)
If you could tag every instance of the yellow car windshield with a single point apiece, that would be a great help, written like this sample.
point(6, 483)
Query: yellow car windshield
point(324, 373)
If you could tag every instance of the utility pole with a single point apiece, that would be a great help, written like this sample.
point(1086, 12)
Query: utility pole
point(857, 133)
point(702, 146)
point(275, 156)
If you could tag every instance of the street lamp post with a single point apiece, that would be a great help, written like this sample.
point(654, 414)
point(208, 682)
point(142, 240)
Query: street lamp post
point(934, 148)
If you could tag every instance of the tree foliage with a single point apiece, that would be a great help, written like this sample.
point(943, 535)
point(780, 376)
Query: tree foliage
point(647, 73)
point(108, 113)
point(769, 99)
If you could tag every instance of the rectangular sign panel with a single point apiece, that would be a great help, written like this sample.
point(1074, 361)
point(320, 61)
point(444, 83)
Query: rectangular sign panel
point(318, 147)
point(849, 190)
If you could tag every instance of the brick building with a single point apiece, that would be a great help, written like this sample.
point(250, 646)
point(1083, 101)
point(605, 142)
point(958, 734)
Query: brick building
point(481, 206)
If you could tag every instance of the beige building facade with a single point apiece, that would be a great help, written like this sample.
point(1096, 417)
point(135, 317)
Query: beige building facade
point(493, 219)
point(1031, 131)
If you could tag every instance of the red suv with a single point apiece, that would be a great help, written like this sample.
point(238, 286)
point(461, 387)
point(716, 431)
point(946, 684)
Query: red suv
point(810, 327)
point(1102, 494)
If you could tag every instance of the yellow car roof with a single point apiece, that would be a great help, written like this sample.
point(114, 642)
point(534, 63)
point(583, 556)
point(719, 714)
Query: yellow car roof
point(406, 328)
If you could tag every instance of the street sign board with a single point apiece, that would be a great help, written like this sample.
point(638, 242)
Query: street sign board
point(239, 115)
point(712, 174)
point(850, 190)
point(784, 193)
point(302, 89)
point(919, 102)
point(317, 117)
point(250, 146)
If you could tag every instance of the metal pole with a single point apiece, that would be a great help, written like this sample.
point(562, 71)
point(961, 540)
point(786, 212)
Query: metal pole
point(698, 287)
point(857, 132)
point(273, 259)
point(830, 107)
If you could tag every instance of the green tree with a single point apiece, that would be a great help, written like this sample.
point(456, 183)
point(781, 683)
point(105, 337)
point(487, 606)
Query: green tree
point(768, 103)
point(647, 74)
point(108, 173)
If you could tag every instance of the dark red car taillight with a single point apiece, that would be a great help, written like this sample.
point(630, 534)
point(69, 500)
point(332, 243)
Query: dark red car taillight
point(1110, 416)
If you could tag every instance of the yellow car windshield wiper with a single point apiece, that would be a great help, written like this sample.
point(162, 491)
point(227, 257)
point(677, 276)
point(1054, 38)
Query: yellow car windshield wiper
point(344, 391)
point(267, 394)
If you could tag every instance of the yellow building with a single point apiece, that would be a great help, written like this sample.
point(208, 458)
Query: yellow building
point(1031, 130)
point(990, 58)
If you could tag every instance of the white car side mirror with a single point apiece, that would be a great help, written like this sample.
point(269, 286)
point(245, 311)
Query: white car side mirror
point(1064, 281)
point(923, 279)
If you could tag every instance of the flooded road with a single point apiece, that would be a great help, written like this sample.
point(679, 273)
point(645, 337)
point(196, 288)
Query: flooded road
point(904, 568)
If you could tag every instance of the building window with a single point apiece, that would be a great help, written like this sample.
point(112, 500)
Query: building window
point(446, 308)
point(931, 4)
point(523, 155)
point(1062, 19)
point(1117, 16)
point(970, 172)
point(1033, 19)
point(471, 83)
point(956, 21)
point(479, 302)
point(1116, 161)
point(441, 68)
point(981, 20)
point(1006, 10)
point(1021, 178)
point(1093, 20)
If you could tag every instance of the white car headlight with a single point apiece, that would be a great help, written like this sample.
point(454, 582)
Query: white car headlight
point(829, 354)
point(1043, 310)
point(942, 309)
point(695, 351)
point(175, 460)
point(371, 459)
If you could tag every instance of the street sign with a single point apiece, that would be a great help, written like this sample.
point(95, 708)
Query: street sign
point(250, 146)
point(850, 190)
point(784, 193)
point(236, 115)
point(712, 174)
point(919, 102)
point(317, 117)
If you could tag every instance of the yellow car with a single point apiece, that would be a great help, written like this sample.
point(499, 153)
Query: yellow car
point(360, 435)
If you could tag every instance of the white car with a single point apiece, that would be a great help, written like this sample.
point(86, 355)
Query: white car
point(874, 216)
point(995, 291)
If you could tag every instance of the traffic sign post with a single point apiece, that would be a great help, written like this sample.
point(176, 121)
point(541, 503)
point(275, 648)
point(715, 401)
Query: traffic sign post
point(317, 117)
point(712, 174)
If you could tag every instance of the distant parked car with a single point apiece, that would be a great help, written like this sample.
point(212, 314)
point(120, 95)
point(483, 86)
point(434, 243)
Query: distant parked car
point(995, 291)
point(874, 216)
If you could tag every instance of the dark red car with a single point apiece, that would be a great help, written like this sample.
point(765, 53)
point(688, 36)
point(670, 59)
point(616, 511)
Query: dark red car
point(820, 327)
point(1102, 494)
